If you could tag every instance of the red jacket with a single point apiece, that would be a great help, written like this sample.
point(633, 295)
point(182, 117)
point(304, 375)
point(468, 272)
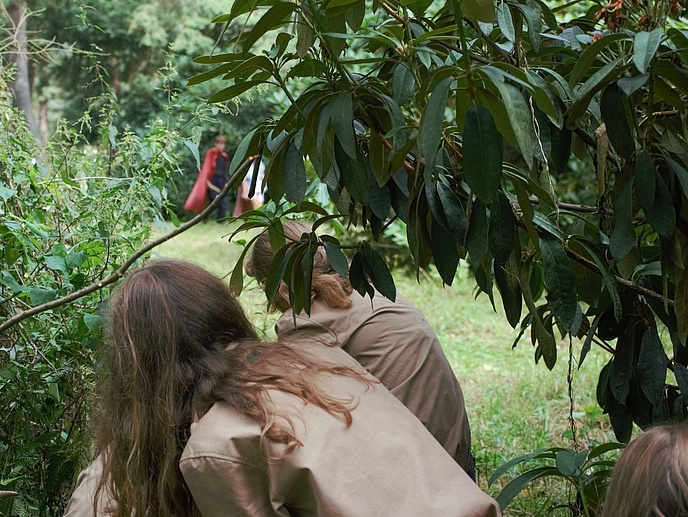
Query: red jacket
point(198, 198)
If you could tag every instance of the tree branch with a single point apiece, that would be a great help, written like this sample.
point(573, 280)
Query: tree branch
point(648, 293)
point(233, 182)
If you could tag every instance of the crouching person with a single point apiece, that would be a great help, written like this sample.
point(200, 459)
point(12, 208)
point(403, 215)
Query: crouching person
point(197, 417)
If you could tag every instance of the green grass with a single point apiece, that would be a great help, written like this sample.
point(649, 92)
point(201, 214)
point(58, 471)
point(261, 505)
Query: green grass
point(514, 405)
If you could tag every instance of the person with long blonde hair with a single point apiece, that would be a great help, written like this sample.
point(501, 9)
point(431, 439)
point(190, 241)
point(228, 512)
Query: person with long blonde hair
point(197, 417)
point(391, 339)
point(650, 478)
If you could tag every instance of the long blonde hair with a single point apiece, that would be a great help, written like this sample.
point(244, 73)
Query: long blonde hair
point(651, 477)
point(327, 285)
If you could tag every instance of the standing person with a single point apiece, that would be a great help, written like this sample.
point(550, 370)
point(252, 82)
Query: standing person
point(212, 178)
point(255, 176)
point(196, 417)
point(391, 340)
point(651, 477)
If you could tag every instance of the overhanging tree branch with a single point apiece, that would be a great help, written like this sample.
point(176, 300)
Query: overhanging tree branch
point(233, 182)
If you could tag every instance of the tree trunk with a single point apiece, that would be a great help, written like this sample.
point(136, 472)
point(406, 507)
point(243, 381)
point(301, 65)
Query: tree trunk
point(18, 56)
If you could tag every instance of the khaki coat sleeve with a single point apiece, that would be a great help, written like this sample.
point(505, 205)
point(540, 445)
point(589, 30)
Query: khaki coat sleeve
point(81, 502)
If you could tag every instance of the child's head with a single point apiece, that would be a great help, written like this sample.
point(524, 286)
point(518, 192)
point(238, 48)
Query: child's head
point(651, 477)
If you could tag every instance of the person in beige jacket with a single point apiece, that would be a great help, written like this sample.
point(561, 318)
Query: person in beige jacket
point(197, 417)
point(391, 340)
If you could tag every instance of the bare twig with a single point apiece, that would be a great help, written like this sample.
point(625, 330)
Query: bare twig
point(234, 181)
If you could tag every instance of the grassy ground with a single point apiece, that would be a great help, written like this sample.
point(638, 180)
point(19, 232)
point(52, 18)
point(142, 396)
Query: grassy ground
point(514, 405)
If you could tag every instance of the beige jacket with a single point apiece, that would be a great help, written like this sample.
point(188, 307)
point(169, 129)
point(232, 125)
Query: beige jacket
point(394, 342)
point(385, 464)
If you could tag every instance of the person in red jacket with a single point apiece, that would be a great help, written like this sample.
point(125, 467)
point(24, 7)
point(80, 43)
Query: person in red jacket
point(211, 180)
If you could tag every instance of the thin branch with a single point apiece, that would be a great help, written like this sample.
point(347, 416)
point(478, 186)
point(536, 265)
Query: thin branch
point(587, 209)
point(233, 182)
point(648, 293)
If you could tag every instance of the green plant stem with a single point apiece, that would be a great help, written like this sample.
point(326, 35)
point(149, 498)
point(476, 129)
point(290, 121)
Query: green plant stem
point(233, 182)
point(335, 59)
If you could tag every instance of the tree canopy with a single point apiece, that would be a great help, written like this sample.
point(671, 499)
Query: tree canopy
point(466, 120)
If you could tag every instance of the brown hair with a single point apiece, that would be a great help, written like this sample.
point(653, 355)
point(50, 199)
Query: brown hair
point(327, 284)
point(651, 477)
point(168, 327)
point(220, 139)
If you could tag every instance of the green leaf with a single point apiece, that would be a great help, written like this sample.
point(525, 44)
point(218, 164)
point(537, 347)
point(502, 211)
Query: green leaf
point(431, 123)
point(39, 295)
point(336, 258)
point(210, 74)
point(6, 193)
point(645, 185)
point(56, 263)
point(480, 10)
point(518, 484)
point(561, 285)
point(506, 278)
point(403, 84)
point(194, 151)
point(532, 17)
point(75, 259)
point(233, 91)
point(587, 344)
point(680, 40)
point(568, 463)
point(680, 173)
point(482, 153)
point(525, 458)
point(506, 22)
point(92, 321)
point(604, 75)
point(521, 120)
point(502, 229)
point(444, 252)
point(275, 17)
point(276, 272)
point(307, 281)
point(604, 448)
point(652, 366)
point(584, 63)
point(631, 84)
point(662, 217)
point(614, 115)
point(619, 416)
point(379, 198)
point(378, 155)
point(379, 274)
point(342, 117)
point(294, 172)
point(623, 237)
point(645, 47)
point(476, 238)
point(308, 67)
point(353, 173)
point(453, 211)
